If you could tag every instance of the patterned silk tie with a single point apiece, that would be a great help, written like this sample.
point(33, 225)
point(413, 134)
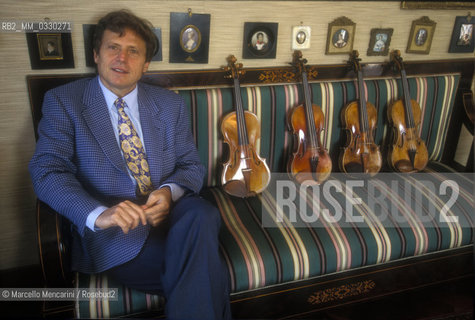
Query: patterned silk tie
point(133, 150)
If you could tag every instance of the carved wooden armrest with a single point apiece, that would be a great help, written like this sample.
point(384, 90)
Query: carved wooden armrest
point(469, 106)
point(54, 233)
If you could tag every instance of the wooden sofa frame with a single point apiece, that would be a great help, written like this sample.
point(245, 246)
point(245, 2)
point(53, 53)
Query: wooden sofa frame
point(299, 298)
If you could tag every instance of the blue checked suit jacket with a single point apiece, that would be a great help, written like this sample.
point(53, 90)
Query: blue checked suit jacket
point(78, 165)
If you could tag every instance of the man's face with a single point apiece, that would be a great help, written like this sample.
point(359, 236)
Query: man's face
point(121, 61)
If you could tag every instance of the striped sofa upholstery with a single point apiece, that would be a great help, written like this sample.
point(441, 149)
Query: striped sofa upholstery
point(259, 256)
point(127, 303)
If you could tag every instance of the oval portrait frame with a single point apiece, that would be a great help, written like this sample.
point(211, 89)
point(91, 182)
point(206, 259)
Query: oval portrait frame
point(196, 37)
point(335, 37)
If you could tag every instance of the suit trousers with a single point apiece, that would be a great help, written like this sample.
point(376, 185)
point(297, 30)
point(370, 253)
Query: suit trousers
point(180, 259)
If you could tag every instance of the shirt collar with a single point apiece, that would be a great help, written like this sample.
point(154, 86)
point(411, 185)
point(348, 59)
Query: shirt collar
point(110, 97)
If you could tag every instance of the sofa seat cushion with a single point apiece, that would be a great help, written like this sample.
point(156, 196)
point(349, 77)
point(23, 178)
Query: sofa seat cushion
point(127, 303)
point(260, 252)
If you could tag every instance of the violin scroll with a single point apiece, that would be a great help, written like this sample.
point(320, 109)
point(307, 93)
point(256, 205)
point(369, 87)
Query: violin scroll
point(235, 70)
point(299, 62)
point(396, 59)
point(354, 61)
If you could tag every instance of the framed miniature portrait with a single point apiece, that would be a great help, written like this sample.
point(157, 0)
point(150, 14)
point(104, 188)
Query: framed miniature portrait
point(340, 36)
point(88, 36)
point(260, 40)
point(189, 37)
point(50, 50)
point(301, 37)
point(462, 35)
point(158, 33)
point(50, 46)
point(379, 42)
point(420, 38)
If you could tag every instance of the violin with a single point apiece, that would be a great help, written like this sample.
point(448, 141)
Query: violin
point(408, 152)
point(245, 173)
point(310, 161)
point(360, 117)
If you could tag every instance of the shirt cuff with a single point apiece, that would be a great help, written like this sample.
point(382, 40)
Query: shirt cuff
point(176, 191)
point(92, 217)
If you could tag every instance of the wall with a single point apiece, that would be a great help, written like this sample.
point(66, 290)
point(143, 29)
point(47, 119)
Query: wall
point(18, 227)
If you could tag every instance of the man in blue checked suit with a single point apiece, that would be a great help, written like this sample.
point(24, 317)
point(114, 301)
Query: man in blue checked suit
point(117, 158)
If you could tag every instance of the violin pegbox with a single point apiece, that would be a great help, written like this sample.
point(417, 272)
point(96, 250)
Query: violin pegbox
point(396, 59)
point(234, 69)
point(354, 61)
point(300, 64)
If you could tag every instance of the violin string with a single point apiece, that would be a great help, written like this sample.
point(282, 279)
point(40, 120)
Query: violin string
point(407, 100)
point(241, 122)
point(309, 108)
point(362, 98)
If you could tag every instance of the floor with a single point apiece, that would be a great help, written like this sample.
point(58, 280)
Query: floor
point(21, 278)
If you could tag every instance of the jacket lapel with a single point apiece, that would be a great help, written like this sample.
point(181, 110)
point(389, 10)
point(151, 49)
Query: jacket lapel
point(97, 118)
point(152, 133)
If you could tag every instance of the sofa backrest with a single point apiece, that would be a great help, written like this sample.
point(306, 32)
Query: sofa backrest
point(271, 93)
point(273, 103)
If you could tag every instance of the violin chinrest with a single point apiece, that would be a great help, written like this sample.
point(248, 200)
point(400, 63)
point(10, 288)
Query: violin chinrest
point(353, 167)
point(238, 188)
point(405, 166)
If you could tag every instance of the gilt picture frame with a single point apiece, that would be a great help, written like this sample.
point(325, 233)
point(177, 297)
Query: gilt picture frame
point(379, 41)
point(340, 36)
point(420, 37)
